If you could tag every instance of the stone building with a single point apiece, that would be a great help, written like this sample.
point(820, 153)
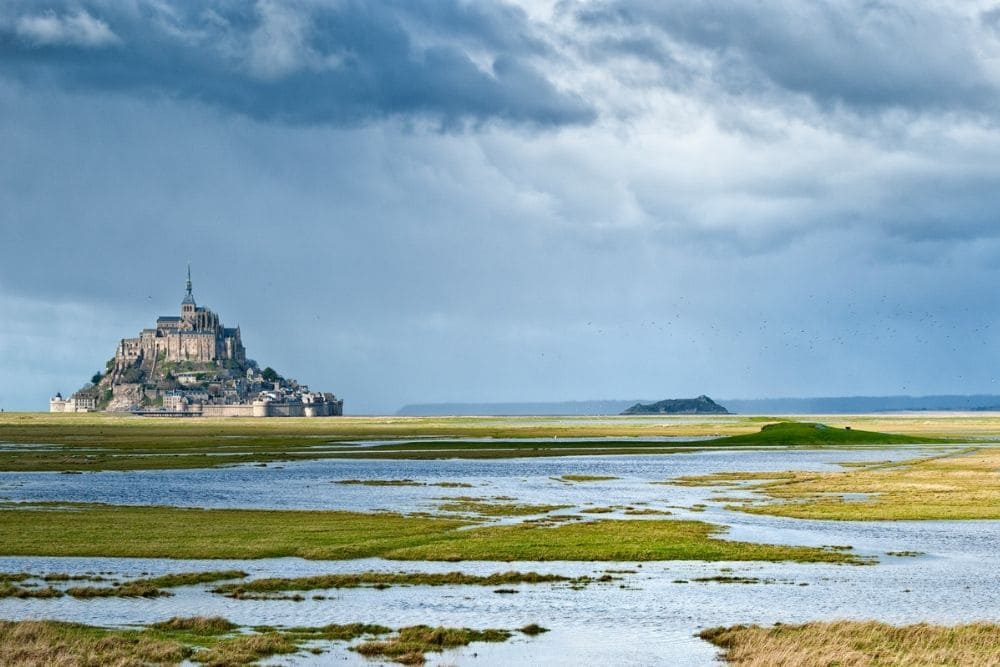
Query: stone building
point(196, 335)
point(79, 402)
point(191, 365)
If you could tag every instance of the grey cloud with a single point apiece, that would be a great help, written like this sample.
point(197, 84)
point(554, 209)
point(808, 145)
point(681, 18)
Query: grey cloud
point(864, 55)
point(75, 29)
point(295, 62)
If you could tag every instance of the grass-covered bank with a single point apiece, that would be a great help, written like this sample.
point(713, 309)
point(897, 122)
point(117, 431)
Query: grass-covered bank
point(214, 641)
point(815, 433)
point(171, 532)
point(25, 585)
point(858, 644)
point(60, 529)
point(90, 442)
point(957, 485)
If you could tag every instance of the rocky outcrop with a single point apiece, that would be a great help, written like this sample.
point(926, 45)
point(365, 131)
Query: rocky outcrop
point(678, 406)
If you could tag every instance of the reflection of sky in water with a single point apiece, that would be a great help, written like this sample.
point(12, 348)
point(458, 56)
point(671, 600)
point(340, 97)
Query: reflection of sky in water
point(652, 620)
point(309, 484)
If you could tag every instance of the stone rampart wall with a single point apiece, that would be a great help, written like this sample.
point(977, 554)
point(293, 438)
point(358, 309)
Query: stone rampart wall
point(245, 410)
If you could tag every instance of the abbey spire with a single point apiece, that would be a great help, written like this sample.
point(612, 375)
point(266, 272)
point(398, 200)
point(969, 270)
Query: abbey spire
point(188, 296)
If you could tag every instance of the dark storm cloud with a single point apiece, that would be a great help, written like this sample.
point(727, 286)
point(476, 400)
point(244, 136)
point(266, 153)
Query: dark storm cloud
point(772, 199)
point(860, 54)
point(295, 62)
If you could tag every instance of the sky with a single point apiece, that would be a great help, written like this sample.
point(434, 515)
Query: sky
point(404, 201)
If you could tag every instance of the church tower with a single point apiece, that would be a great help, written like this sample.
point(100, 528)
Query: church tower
point(188, 304)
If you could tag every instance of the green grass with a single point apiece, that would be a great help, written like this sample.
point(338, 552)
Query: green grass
point(199, 625)
point(53, 642)
point(857, 643)
point(212, 641)
point(89, 442)
point(386, 580)
point(485, 507)
point(409, 644)
point(609, 540)
point(959, 484)
point(136, 588)
point(402, 482)
point(810, 433)
point(24, 592)
point(153, 587)
point(170, 532)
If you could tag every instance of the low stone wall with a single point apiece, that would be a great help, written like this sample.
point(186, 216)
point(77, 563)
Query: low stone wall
point(284, 410)
point(227, 410)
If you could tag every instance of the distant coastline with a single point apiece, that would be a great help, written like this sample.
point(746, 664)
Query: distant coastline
point(786, 406)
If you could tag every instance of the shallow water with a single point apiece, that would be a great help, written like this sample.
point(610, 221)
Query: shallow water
point(311, 484)
point(645, 618)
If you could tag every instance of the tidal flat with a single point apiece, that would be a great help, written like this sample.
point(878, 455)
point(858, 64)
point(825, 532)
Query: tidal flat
point(381, 552)
point(73, 443)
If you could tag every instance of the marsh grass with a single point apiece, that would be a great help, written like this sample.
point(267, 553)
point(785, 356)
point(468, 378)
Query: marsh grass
point(175, 532)
point(409, 644)
point(814, 433)
point(100, 441)
point(403, 482)
point(154, 587)
point(61, 576)
point(857, 644)
point(955, 485)
point(730, 579)
point(380, 482)
point(213, 641)
point(56, 643)
point(192, 578)
point(485, 507)
point(386, 580)
point(197, 625)
point(246, 649)
point(24, 592)
point(336, 632)
point(584, 478)
point(131, 589)
point(171, 532)
point(609, 540)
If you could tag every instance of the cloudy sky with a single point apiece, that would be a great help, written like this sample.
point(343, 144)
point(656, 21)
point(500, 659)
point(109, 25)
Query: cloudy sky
point(457, 200)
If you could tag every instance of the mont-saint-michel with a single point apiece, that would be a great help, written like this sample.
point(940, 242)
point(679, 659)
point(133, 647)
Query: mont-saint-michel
point(191, 365)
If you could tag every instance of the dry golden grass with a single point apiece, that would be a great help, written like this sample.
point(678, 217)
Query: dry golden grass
point(245, 650)
point(410, 644)
point(956, 485)
point(858, 644)
point(68, 645)
point(196, 625)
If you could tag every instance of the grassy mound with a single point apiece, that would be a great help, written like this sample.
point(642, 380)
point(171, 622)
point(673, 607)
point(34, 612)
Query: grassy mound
point(811, 433)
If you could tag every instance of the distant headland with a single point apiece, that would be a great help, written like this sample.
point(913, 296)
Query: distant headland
point(192, 365)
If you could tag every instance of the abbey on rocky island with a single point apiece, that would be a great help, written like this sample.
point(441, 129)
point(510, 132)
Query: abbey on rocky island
point(195, 336)
point(192, 365)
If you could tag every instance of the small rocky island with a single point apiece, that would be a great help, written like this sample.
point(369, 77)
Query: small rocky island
point(189, 366)
point(702, 405)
